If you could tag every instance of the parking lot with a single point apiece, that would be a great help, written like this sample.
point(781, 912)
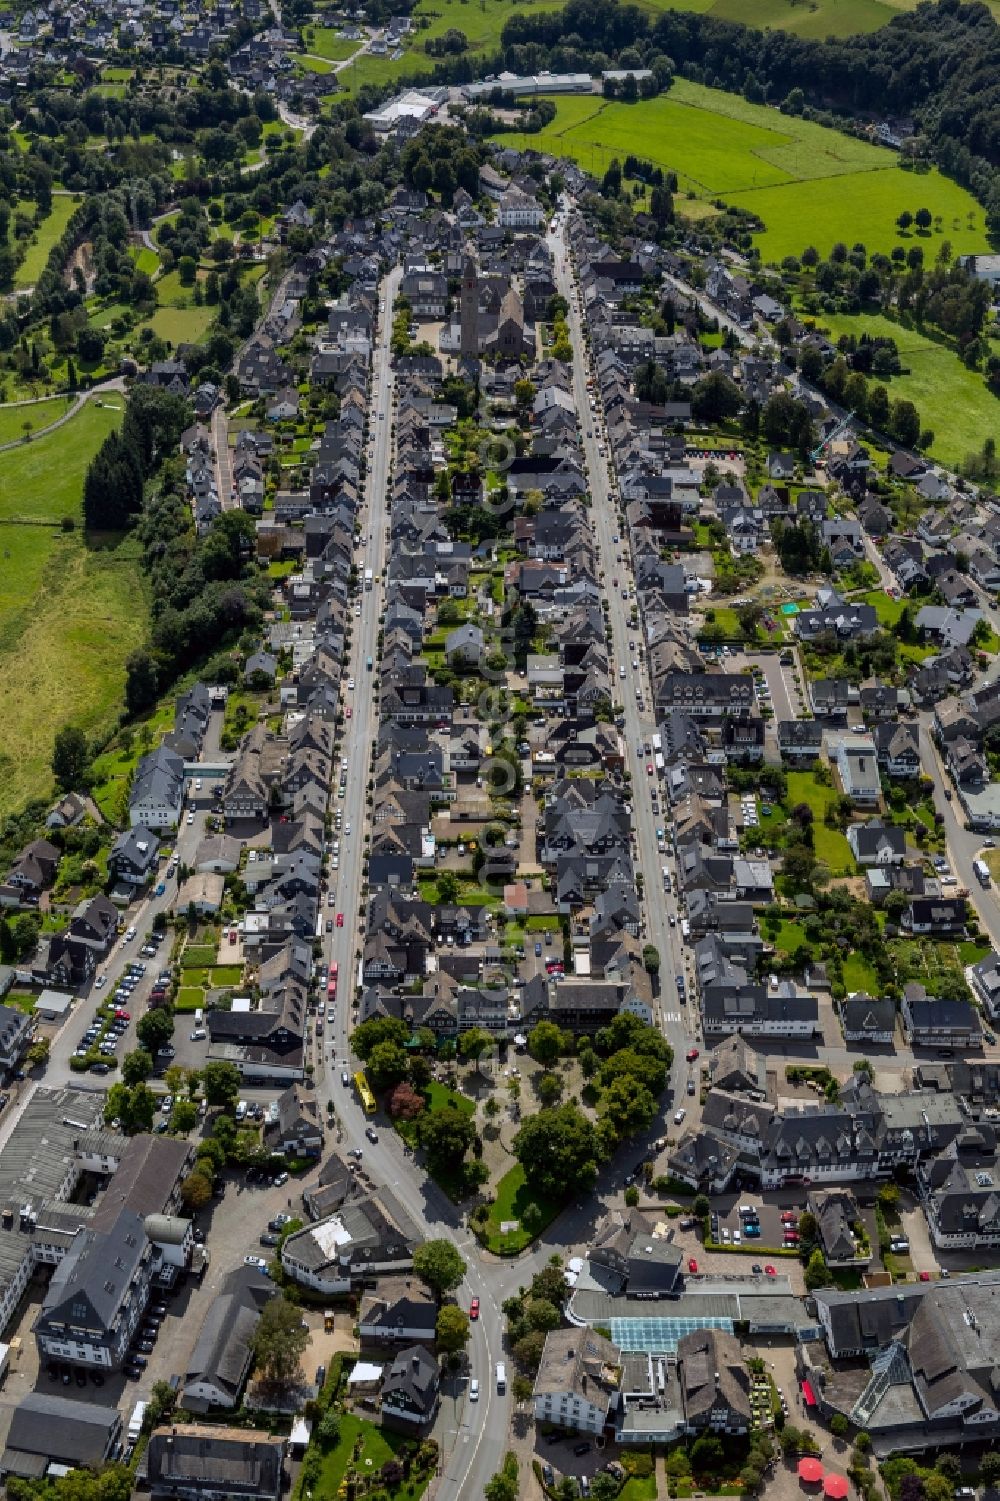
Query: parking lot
point(767, 1226)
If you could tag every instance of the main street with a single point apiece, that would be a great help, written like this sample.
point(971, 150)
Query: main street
point(639, 725)
point(474, 1435)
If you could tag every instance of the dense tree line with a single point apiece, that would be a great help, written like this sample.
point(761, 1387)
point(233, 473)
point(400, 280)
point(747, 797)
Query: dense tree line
point(206, 590)
point(113, 485)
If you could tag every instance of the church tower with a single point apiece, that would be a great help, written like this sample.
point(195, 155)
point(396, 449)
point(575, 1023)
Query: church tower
point(469, 347)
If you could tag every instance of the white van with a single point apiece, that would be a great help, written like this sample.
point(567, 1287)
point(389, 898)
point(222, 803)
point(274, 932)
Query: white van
point(501, 1376)
point(241, 1110)
point(199, 1017)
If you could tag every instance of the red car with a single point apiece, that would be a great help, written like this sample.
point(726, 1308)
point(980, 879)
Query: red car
point(789, 1217)
point(769, 1269)
point(692, 1264)
point(925, 1276)
point(474, 1309)
point(649, 768)
point(791, 1237)
point(691, 1054)
point(340, 919)
point(348, 711)
point(123, 1016)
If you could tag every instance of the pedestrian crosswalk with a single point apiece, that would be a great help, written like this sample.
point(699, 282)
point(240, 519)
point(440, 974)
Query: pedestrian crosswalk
point(672, 1016)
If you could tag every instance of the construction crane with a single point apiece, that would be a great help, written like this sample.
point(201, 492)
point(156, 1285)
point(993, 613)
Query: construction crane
point(841, 428)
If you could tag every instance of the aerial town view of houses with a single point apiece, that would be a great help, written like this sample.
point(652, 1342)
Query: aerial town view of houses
point(499, 750)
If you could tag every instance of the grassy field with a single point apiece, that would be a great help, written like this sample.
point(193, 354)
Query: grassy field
point(788, 171)
point(323, 41)
point(38, 413)
point(807, 18)
point(481, 20)
point(43, 480)
point(952, 400)
point(63, 647)
point(45, 237)
point(70, 611)
point(178, 318)
point(146, 260)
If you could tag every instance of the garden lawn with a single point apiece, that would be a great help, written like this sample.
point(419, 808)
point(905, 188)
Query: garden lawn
point(189, 998)
point(44, 238)
point(199, 956)
point(888, 610)
point(377, 1445)
point(859, 975)
point(830, 845)
point(638, 1488)
point(953, 401)
point(516, 1201)
point(789, 937)
point(787, 170)
point(438, 1097)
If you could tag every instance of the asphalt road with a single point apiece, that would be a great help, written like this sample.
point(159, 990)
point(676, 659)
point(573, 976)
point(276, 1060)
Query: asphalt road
point(657, 906)
point(474, 1435)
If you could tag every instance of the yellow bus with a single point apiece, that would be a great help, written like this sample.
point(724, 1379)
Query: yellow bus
point(364, 1093)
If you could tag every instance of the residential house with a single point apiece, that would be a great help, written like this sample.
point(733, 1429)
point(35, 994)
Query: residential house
point(857, 766)
point(897, 749)
point(930, 1022)
point(867, 1020)
point(576, 1385)
point(410, 1389)
point(877, 843)
point(715, 1383)
point(192, 1462)
point(97, 1296)
point(841, 1230)
point(400, 1312)
point(223, 1354)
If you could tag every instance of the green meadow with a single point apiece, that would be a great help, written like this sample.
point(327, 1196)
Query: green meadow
point(71, 609)
point(790, 172)
point(45, 236)
point(952, 400)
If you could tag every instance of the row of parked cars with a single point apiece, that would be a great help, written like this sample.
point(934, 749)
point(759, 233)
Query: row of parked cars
point(144, 1341)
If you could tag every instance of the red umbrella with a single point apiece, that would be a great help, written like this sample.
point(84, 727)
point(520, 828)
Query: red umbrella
point(810, 1470)
point(835, 1486)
